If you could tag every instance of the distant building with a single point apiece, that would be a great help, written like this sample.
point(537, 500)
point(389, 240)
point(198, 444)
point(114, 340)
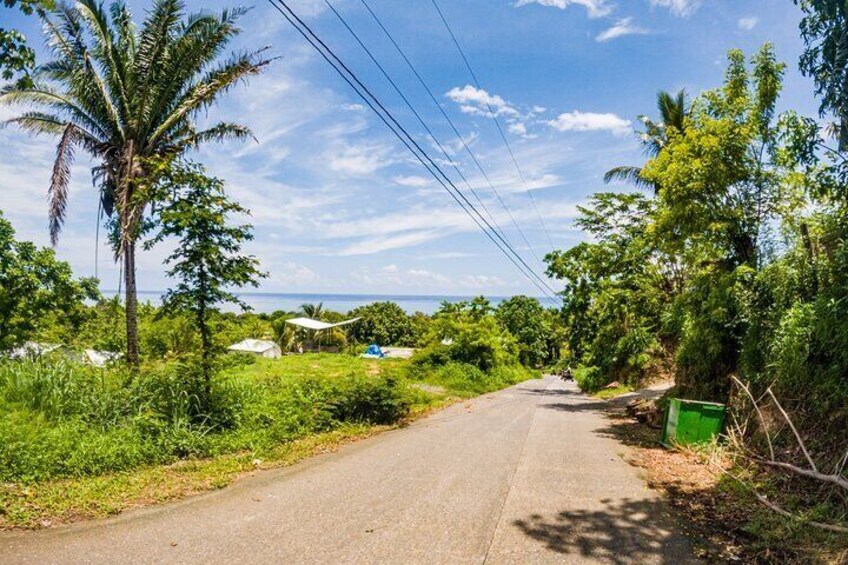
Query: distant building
point(33, 349)
point(258, 347)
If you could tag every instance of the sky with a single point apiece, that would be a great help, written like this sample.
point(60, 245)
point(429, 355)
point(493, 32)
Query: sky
point(338, 205)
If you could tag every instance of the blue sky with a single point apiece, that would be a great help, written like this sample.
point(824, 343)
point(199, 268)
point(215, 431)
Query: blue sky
point(337, 203)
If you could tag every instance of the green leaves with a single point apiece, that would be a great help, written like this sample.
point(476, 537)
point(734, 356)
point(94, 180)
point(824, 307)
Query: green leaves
point(37, 292)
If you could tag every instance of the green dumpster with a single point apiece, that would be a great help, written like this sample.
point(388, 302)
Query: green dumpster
point(691, 421)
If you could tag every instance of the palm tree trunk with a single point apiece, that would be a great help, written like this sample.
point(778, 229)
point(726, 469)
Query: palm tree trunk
point(131, 302)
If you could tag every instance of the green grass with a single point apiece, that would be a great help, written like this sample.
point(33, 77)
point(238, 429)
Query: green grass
point(77, 442)
point(607, 393)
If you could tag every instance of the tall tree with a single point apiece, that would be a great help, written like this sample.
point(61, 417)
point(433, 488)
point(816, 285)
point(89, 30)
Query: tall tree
point(128, 97)
point(824, 29)
point(207, 259)
point(673, 110)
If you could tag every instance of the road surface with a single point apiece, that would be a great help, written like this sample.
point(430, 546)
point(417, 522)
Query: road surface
point(525, 475)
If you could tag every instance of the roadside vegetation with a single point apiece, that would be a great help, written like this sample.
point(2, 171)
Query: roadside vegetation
point(725, 272)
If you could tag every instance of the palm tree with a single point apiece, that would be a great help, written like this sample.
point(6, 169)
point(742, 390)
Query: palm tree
point(128, 97)
point(673, 112)
point(314, 311)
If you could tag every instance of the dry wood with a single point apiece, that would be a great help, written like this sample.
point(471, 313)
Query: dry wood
point(794, 431)
point(759, 413)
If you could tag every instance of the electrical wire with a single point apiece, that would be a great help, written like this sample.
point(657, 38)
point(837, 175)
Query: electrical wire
point(497, 122)
point(454, 128)
point(388, 119)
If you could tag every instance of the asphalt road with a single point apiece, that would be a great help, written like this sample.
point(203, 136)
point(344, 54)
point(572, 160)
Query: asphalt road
point(526, 475)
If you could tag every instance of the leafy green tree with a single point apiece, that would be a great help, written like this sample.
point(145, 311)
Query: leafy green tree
point(384, 323)
point(526, 320)
point(128, 97)
point(824, 30)
point(616, 289)
point(16, 57)
point(36, 290)
point(207, 260)
point(725, 181)
point(673, 110)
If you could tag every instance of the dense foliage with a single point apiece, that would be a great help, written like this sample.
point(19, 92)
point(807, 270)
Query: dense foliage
point(38, 293)
point(735, 266)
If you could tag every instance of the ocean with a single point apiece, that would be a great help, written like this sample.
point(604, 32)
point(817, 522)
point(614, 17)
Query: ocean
point(268, 302)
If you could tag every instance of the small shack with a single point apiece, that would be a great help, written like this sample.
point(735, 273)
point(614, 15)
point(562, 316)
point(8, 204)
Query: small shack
point(258, 347)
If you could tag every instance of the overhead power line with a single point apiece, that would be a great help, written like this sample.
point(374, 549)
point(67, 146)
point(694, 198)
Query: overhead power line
point(497, 122)
point(417, 115)
point(397, 129)
point(453, 127)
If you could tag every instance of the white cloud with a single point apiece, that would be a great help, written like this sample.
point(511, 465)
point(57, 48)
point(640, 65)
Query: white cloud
point(520, 129)
point(747, 24)
point(595, 8)
point(589, 121)
point(621, 28)
point(413, 181)
point(293, 274)
point(385, 243)
point(360, 159)
point(477, 101)
point(681, 8)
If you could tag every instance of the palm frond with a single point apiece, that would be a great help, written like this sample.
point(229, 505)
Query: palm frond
point(201, 41)
point(150, 61)
point(219, 132)
point(112, 62)
point(44, 96)
point(627, 174)
point(213, 84)
point(59, 181)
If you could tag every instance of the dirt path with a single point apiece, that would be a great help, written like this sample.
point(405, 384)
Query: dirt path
point(526, 475)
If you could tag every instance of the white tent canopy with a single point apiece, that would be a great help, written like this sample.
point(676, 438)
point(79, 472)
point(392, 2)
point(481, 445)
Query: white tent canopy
point(257, 347)
point(311, 324)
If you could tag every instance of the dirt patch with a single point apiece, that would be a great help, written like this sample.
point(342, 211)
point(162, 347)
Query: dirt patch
point(722, 518)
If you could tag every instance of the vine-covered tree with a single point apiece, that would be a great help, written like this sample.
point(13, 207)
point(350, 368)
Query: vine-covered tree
point(128, 96)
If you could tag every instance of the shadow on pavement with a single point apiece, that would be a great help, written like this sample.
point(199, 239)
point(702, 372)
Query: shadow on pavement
point(623, 532)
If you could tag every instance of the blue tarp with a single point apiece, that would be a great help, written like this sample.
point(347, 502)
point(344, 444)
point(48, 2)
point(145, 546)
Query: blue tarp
point(374, 351)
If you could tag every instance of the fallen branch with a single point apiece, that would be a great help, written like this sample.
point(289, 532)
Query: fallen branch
point(835, 479)
point(783, 512)
point(759, 413)
point(794, 431)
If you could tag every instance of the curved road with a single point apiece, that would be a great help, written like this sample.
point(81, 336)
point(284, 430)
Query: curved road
point(525, 475)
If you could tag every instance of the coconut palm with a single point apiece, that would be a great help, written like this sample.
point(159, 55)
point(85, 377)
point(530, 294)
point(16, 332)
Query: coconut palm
point(128, 97)
point(673, 112)
point(314, 311)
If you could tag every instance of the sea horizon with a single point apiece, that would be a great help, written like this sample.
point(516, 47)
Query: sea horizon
point(268, 302)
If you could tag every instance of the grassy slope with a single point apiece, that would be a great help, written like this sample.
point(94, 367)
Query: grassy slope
point(63, 500)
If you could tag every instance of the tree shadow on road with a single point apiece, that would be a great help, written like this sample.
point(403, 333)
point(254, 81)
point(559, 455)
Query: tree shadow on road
point(573, 400)
point(623, 532)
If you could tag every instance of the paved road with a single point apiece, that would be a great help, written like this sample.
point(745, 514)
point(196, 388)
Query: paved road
point(525, 475)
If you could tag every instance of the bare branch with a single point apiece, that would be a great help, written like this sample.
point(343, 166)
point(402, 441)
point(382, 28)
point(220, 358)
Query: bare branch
point(759, 414)
point(835, 479)
point(774, 507)
point(795, 431)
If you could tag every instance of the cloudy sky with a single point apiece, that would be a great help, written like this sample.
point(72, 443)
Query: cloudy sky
point(340, 206)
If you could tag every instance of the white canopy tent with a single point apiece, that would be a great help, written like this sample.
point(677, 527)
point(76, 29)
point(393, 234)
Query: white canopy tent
point(258, 347)
point(318, 326)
